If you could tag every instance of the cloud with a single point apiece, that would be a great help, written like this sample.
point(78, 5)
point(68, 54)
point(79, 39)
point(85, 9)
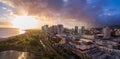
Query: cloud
point(44, 9)
point(58, 11)
point(4, 8)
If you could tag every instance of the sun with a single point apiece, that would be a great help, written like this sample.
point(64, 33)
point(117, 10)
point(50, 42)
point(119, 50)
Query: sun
point(25, 22)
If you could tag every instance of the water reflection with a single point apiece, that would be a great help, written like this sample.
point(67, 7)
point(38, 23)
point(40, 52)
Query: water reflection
point(23, 55)
point(21, 31)
point(15, 55)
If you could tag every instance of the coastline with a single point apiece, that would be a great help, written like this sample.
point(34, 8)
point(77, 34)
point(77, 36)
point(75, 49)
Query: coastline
point(3, 39)
point(7, 38)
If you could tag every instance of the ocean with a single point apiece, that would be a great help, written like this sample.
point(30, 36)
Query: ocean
point(8, 32)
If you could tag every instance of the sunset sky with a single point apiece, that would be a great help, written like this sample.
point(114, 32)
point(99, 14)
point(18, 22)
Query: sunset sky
point(67, 12)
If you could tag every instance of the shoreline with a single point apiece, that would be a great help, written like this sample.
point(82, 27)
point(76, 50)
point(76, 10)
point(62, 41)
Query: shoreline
point(3, 39)
point(7, 38)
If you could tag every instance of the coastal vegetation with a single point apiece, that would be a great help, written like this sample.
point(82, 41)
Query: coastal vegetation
point(33, 41)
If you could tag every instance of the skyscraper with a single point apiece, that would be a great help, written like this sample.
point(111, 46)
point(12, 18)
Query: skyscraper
point(82, 31)
point(44, 28)
point(60, 28)
point(106, 33)
point(76, 30)
point(55, 29)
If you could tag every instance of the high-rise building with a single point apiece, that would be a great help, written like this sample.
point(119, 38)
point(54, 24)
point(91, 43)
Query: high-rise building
point(106, 33)
point(76, 30)
point(60, 28)
point(56, 29)
point(82, 31)
point(44, 28)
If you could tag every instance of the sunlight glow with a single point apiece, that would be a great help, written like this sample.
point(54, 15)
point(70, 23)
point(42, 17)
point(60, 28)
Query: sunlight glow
point(21, 31)
point(25, 22)
point(23, 55)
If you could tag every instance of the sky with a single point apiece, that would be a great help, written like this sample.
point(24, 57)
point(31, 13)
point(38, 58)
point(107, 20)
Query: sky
point(90, 13)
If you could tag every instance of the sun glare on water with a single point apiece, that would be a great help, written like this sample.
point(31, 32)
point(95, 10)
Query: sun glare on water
point(25, 22)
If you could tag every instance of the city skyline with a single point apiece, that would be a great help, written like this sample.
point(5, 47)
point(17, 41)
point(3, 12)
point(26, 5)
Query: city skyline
point(59, 29)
